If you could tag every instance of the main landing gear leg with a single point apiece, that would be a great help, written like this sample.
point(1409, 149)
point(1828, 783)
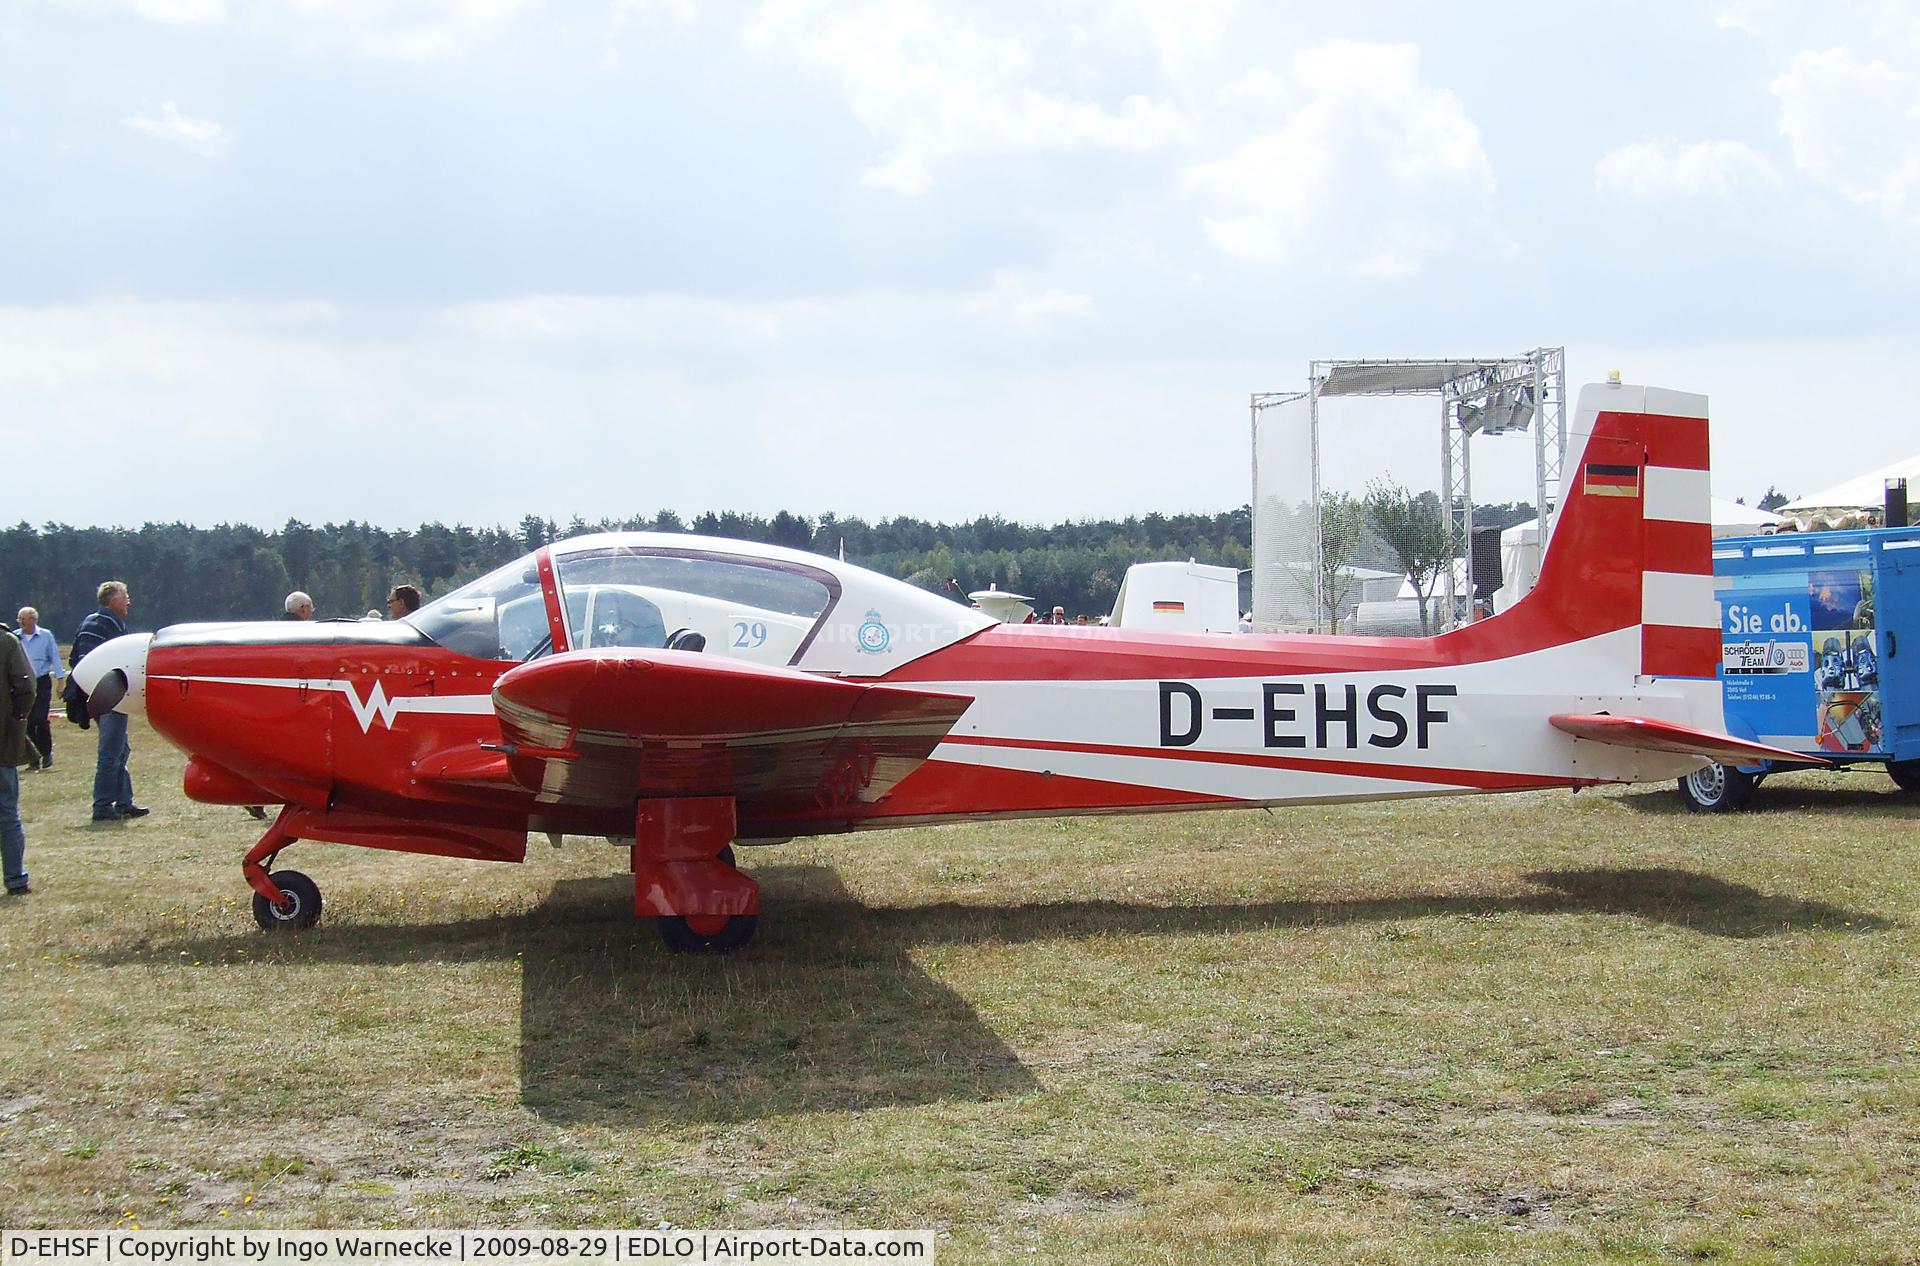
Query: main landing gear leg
point(284, 899)
point(684, 876)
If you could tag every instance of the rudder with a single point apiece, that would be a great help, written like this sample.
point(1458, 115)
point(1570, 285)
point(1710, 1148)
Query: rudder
point(1632, 539)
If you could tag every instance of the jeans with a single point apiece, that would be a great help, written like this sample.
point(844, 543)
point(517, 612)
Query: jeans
point(112, 784)
point(38, 730)
point(13, 840)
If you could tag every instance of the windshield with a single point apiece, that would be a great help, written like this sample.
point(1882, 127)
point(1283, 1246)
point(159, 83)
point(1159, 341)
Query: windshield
point(502, 615)
point(742, 608)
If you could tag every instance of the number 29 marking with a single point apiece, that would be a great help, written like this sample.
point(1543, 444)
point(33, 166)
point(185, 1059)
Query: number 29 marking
point(748, 635)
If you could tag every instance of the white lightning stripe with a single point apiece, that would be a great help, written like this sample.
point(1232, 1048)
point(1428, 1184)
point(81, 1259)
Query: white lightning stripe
point(376, 704)
point(1676, 495)
point(1679, 600)
point(1239, 782)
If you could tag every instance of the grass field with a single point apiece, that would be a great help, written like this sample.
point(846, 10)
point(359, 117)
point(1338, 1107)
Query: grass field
point(1533, 1028)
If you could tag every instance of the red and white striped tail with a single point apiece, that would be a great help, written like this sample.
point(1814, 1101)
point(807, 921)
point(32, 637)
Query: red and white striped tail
point(1632, 541)
point(1679, 616)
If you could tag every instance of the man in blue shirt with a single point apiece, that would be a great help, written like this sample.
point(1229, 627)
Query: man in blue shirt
point(112, 784)
point(43, 658)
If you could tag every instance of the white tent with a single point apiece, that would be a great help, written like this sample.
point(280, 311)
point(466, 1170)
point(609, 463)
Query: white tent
point(1862, 492)
point(1518, 546)
point(1730, 518)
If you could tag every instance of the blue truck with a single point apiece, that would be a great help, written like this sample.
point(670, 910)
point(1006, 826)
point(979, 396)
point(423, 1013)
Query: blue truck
point(1813, 629)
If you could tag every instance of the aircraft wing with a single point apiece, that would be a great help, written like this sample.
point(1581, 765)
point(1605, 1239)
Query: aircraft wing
point(600, 727)
point(1665, 736)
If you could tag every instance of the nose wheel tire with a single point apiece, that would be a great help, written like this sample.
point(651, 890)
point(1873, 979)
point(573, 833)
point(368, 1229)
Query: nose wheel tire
point(707, 933)
point(303, 903)
point(1717, 789)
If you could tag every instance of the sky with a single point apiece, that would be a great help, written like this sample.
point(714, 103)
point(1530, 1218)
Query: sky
point(402, 260)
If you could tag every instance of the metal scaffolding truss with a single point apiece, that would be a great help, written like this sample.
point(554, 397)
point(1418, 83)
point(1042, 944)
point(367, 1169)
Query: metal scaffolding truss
point(1494, 395)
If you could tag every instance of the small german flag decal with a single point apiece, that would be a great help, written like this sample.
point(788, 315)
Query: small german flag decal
point(1613, 481)
point(1169, 606)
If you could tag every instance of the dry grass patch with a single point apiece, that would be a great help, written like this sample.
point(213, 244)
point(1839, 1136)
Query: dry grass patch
point(1536, 1028)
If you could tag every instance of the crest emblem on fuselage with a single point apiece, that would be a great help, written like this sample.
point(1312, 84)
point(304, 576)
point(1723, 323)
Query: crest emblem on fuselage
point(874, 635)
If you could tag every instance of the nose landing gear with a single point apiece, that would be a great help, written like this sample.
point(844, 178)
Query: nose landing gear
point(284, 900)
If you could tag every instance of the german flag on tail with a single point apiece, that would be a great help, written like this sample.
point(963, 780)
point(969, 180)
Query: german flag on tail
point(1611, 481)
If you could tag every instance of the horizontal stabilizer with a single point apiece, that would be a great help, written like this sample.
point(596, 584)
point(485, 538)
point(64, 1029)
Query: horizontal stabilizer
point(1651, 735)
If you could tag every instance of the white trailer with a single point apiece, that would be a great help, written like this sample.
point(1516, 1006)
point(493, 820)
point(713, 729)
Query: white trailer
point(1184, 597)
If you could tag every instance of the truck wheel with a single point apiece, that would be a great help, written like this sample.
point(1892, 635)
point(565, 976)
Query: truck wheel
point(1906, 773)
point(1717, 789)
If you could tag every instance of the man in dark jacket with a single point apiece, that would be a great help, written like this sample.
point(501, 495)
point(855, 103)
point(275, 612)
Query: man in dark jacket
point(112, 784)
point(16, 700)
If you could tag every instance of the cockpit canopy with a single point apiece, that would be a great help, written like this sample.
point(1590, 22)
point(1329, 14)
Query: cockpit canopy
point(747, 601)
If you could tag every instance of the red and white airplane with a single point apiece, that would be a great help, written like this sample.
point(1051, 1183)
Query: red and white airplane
point(680, 694)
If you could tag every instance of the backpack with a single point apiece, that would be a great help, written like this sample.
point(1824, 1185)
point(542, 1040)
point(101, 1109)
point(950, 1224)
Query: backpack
point(75, 700)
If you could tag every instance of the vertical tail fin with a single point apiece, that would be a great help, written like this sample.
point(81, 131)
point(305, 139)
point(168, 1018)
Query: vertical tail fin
point(1632, 540)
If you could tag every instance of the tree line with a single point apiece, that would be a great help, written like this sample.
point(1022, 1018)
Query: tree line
point(234, 571)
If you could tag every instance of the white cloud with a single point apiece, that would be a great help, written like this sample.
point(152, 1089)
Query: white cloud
point(1181, 36)
point(1375, 167)
point(652, 320)
point(1257, 88)
point(624, 15)
point(200, 136)
point(1785, 26)
point(675, 324)
point(207, 373)
point(394, 30)
point(166, 12)
point(181, 12)
point(1667, 167)
point(639, 10)
point(1855, 129)
point(1743, 16)
point(936, 88)
point(1015, 300)
point(1760, 394)
point(862, 404)
point(1900, 18)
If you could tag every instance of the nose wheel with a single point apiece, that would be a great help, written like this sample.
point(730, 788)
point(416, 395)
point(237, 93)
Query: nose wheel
point(285, 900)
point(300, 910)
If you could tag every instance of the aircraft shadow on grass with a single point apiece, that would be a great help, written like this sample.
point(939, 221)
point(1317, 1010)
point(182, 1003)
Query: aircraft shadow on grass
point(1779, 795)
point(829, 1011)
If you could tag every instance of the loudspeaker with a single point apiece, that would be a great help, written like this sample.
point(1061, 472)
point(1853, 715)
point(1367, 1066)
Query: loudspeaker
point(1486, 561)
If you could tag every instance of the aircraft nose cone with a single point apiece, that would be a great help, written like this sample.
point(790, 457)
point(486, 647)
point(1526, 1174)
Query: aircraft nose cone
point(114, 675)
